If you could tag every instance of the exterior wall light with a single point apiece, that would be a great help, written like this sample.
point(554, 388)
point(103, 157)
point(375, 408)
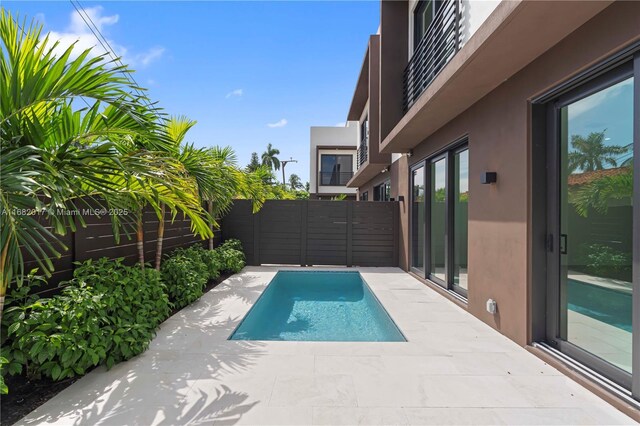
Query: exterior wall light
point(488, 177)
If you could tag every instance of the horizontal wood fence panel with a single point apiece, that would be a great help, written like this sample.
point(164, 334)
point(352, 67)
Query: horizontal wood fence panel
point(316, 232)
point(96, 240)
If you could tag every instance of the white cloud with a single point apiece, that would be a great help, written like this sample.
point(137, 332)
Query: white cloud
point(79, 33)
point(149, 56)
point(280, 123)
point(341, 124)
point(235, 93)
point(594, 101)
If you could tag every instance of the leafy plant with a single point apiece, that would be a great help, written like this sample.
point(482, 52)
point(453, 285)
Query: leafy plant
point(231, 243)
point(602, 192)
point(202, 256)
point(3, 387)
point(603, 260)
point(231, 256)
point(59, 337)
point(107, 313)
point(136, 303)
point(185, 276)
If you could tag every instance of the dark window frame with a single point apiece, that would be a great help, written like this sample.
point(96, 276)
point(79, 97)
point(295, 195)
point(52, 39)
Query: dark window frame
point(548, 218)
point(384, 186)
point(418, 12)
point(341, 176)
point(448, 154)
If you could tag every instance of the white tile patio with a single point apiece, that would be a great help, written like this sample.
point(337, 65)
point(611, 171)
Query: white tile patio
point(453, 370)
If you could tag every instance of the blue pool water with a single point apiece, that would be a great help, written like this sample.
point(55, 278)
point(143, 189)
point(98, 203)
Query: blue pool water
point(318, 306)
point(603, 304)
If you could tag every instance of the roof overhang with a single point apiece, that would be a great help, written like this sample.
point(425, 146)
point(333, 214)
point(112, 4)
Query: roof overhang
point(365, 173)
point(514, 35)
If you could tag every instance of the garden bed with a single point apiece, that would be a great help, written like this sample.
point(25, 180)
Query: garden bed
point(27, 395)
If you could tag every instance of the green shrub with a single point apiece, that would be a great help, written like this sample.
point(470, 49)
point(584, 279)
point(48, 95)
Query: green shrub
point(136, 302)
point(232, 260)
point(231, 243)
point(185, 276)
point(603, 260)
point(3, 387)
point(58, 337)
point(212, 265)
point(107, 313)
point(230, 256)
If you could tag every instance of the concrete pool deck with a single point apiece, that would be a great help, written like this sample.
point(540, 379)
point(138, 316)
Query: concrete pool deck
point(453, 370)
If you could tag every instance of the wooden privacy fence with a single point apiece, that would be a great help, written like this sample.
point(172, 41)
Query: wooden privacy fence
point(315, 232)
point(96, 240)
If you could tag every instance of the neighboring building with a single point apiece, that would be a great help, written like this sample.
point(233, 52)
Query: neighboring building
point(496, 123)
point(333, 161)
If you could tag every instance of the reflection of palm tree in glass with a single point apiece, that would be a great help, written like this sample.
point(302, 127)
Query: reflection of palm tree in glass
point(599, 193)
point(592, 154)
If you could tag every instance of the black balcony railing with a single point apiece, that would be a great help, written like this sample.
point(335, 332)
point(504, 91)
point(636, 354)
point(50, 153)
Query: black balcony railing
point(440, 43)
point(335, 178)
point(363, 152)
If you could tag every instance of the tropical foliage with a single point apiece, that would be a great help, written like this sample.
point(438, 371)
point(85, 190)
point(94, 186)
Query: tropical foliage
point(76, 130)
point(270, 159)
point(106, 314)
point(591, 153)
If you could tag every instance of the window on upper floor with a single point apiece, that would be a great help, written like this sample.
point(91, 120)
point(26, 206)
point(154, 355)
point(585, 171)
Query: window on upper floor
point(335, 169)
point(423, 15)
point(364, 196)
point(364, 129)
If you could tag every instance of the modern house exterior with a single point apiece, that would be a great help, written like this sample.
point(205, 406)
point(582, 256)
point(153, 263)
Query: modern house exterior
point(333, 153)
point(509, 133)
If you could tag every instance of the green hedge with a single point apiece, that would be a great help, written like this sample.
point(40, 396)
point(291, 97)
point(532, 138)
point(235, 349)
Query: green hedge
point(107, 313)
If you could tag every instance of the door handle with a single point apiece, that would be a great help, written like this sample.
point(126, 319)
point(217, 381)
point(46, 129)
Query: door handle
point(563, 244)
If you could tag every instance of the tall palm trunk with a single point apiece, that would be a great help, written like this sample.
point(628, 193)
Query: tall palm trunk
point(140, 238)
point(210, 208)
point(160, 237)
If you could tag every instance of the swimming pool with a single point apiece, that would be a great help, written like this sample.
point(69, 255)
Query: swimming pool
point(318, 306)
point(603, 304)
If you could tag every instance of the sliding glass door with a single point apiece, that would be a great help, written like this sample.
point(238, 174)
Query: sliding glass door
point(438, 221)
point(591, 224)
point(460, 204)
point(439, 250)
point(417, 219)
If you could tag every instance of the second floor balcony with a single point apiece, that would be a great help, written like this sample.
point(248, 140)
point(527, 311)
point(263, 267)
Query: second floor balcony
point(441, 41)
point(363, 152)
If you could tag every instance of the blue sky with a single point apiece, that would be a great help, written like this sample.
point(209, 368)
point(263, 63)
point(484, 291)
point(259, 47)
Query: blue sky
point(250, 73)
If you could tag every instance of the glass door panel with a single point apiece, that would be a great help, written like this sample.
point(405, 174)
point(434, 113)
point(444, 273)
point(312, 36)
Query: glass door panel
point(460, 218)
point(596, 222)
point(438, 222)
point(417, 219)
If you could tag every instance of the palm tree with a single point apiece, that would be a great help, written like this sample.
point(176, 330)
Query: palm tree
point(49, 155)
point(175, 129)
point(599, 194)
point(56, 155)
point(592, 154)
point(295, 182)
point(269, 158)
